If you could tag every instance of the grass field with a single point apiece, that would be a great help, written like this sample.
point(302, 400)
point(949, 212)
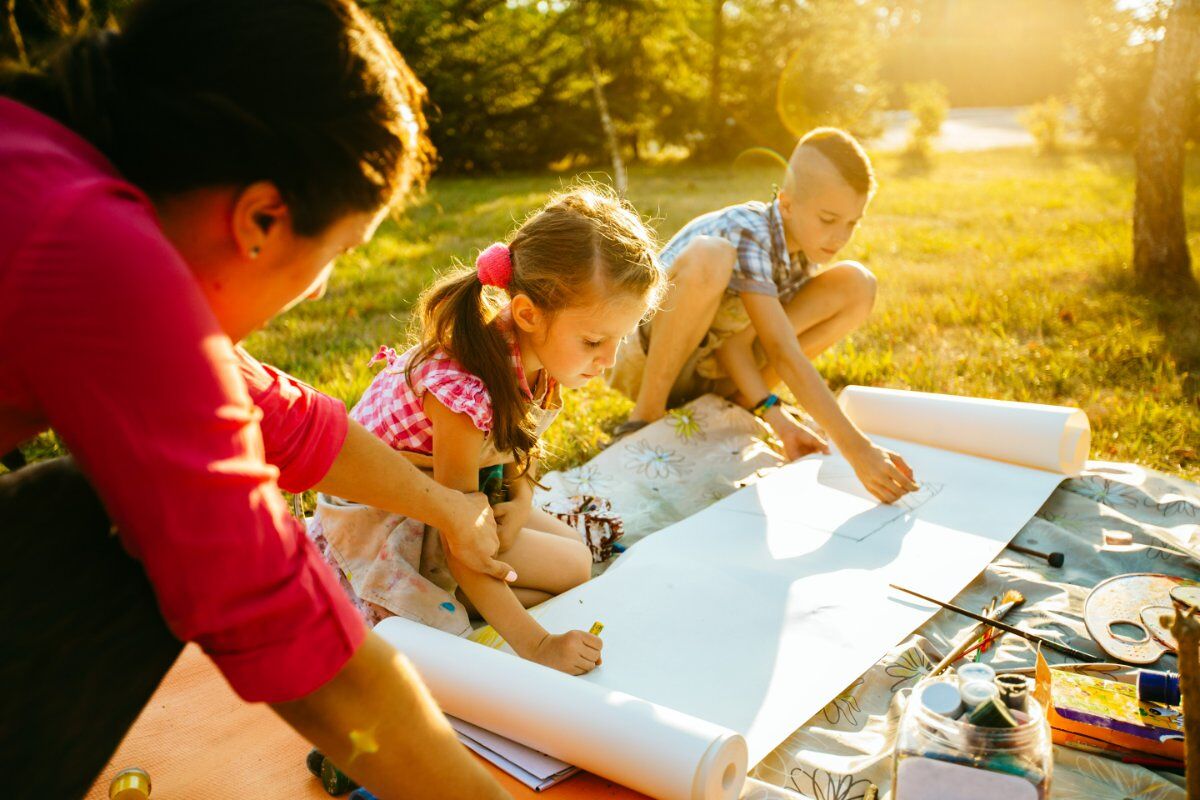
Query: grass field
point(1001, 275)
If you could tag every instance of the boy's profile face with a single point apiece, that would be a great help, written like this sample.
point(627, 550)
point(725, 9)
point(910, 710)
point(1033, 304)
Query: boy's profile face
point(820, 210)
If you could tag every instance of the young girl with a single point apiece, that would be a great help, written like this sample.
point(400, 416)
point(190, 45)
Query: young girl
point(471, 401)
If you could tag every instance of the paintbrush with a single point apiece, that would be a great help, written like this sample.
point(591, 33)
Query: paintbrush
point(1031, 637)
point(1008, 601)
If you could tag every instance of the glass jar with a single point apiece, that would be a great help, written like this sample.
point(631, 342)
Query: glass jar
point(939, 758)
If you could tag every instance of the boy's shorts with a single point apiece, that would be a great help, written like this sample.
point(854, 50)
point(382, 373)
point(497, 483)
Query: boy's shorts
point(701, 373)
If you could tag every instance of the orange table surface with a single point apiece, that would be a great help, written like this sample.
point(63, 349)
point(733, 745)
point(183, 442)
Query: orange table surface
point(199, 741)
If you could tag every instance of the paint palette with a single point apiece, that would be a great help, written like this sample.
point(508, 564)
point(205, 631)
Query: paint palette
point(1123, 614)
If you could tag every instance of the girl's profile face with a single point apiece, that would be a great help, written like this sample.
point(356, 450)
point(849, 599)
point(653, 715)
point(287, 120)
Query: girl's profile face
point(578, 343)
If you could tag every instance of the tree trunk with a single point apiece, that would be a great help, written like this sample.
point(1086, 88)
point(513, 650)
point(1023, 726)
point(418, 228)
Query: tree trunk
point(11, 43)
point(620, 180)
point(1160, 252)
point(716, 117)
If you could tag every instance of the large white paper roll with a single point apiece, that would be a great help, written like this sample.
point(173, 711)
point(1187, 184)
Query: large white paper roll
point(1054, 438)
point(655, 750)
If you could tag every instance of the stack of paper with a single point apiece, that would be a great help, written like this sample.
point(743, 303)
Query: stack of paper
point(536, 770)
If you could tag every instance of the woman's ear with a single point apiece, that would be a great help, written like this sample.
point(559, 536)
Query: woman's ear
point(527, 316)
point(259, 219)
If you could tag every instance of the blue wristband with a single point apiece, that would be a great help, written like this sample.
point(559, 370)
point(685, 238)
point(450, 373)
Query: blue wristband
point(765, 405)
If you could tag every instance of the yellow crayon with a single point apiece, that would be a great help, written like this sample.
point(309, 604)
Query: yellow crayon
point(597, 626)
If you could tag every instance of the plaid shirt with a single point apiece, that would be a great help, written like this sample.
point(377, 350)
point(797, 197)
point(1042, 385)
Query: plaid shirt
point(392, 409)
point(756, 229)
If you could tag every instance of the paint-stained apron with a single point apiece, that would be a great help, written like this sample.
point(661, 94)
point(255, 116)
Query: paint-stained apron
point(392, 564)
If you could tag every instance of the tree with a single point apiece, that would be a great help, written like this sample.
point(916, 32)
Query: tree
point(1113, 57)
point(620, 179)
point(716, 115)
point(1160, 251)
point(790, 66)
point(12, 44)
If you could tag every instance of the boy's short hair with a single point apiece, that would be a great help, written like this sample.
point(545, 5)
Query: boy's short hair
point(844, 152)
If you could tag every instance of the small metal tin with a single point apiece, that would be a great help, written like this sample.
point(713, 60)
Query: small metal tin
point(130, 784)
point(1014, 690)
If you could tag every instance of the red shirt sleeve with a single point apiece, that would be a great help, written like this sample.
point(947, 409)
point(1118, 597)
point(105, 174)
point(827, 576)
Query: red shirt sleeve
point(303, 430)
point(120, 352)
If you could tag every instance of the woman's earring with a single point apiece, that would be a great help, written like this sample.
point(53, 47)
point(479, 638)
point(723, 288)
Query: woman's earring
point(254, 251)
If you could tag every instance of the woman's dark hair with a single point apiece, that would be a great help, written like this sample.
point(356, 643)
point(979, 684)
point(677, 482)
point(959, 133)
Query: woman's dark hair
point(307, 94)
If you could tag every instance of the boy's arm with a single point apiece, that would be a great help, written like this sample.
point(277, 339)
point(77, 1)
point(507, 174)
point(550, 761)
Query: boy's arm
point(366, 470)
point(882, 472)
point(457, 443)
point(740, 365)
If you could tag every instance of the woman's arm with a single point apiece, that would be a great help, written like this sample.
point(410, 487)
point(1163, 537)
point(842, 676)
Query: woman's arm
point(377, 722)
point(368, 471)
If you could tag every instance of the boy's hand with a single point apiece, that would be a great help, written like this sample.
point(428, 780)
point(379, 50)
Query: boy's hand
point(512, 514)
point(797, 438)
point(884, 473)
point(573, 652)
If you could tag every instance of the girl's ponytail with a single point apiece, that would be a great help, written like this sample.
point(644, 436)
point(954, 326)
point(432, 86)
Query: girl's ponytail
point(455, 315)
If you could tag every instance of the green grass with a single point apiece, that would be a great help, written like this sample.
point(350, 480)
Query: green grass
point(1001, 275)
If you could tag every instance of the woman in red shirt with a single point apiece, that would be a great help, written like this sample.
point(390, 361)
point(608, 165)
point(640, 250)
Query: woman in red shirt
point(164, 191)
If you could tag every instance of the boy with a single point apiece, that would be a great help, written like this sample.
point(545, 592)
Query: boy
point(747, 309)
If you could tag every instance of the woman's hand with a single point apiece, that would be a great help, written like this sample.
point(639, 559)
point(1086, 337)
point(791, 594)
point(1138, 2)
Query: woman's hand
point(472, 536)
point(573, 652)
point(513, 514)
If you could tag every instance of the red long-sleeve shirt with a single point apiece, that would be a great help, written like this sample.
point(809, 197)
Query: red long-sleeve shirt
point(106, 337)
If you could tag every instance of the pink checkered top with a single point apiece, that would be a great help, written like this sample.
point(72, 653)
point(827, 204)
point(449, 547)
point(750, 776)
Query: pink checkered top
point(391, 408)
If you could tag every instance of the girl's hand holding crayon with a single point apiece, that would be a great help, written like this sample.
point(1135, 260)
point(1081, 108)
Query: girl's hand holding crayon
point(573, 652)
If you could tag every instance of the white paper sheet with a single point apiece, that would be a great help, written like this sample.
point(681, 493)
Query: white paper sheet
point(658, 751)
point(754, 613)
point(536, 770)
point(1054, 438)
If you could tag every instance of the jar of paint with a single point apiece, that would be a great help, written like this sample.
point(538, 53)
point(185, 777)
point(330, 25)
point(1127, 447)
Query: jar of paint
point(939, 756)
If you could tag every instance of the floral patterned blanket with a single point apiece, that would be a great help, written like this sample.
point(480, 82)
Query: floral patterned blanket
point(706, 450)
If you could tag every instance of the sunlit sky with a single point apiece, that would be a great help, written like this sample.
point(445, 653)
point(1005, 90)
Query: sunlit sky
point(1142, 4)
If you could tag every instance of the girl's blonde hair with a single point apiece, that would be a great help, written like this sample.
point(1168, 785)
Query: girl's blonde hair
point(583, 245)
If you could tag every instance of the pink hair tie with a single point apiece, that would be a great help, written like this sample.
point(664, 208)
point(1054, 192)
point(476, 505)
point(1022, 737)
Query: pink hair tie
point(494, 266)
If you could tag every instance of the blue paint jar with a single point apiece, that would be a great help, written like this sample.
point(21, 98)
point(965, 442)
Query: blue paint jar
point(1158, 687)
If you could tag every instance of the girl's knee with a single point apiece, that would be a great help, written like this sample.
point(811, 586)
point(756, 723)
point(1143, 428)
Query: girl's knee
point(577, 567)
